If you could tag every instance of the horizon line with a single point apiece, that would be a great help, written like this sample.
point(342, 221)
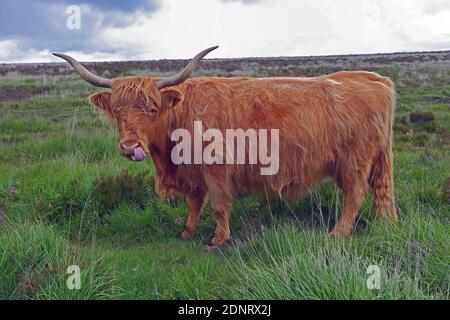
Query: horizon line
point(248, 57)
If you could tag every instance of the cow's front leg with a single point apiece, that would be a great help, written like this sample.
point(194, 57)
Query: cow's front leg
point(222, 233)
point(221, 202)
point(219, 191)
point(194, 204)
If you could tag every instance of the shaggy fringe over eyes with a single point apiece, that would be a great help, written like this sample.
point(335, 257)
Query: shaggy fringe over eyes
point(129, 89)
point(139, 91)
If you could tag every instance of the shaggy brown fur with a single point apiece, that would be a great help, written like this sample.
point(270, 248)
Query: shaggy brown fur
point(337, 126)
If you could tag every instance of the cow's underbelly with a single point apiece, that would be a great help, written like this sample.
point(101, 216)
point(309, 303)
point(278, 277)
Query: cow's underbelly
point(292, 181)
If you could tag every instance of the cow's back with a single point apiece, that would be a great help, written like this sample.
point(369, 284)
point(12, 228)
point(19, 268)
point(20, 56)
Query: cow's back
point(321, 121)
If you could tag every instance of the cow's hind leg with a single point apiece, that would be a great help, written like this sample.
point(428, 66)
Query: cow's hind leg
point(382, 183)
point(194, 204)
point(355, 188)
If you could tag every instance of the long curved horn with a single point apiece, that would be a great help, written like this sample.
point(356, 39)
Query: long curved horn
point(186, 72)
point(86, 74)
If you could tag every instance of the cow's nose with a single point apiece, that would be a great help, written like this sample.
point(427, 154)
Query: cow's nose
point(128, 150)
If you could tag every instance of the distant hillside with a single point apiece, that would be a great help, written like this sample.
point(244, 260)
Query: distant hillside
point(287, 66)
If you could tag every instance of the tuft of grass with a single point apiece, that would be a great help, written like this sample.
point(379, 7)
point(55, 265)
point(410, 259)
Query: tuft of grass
point(110, 191)
point(421, 139)
point(291, 263)
point(446, 190)
point(34, 262)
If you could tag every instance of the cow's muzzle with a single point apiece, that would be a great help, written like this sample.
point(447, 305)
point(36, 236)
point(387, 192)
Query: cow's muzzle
point(133, 152)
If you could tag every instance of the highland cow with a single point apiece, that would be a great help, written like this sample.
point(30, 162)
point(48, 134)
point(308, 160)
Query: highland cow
point(338, 126)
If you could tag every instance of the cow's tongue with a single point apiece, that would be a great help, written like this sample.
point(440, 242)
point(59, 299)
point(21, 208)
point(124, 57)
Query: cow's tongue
point(139, 154)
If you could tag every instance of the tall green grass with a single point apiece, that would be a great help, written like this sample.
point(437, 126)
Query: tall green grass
point(34, 260)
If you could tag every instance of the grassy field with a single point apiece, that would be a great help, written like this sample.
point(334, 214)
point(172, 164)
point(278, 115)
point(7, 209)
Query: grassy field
point(68, 198)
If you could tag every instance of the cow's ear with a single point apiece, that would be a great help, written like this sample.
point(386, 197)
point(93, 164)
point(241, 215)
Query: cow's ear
point(170, 98)
point(102, 100)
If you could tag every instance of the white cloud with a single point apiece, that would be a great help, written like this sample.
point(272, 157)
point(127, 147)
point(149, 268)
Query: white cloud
point(179, 29)
point(10, 52)
point(435, 6)
point(283, 27)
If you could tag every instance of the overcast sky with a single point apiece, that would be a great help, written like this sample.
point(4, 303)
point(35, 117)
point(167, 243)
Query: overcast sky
point(156, 29)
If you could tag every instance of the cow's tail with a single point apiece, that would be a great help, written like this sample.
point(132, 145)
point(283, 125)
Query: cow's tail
point(381, 177)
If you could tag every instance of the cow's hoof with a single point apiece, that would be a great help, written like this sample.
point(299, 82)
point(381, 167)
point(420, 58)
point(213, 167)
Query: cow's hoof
point(184, 234)
point(212, 247)
point(215, 244)
point(339, 232)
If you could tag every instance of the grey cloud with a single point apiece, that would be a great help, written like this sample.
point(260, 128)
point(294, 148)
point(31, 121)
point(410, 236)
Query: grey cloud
point(41, 24)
